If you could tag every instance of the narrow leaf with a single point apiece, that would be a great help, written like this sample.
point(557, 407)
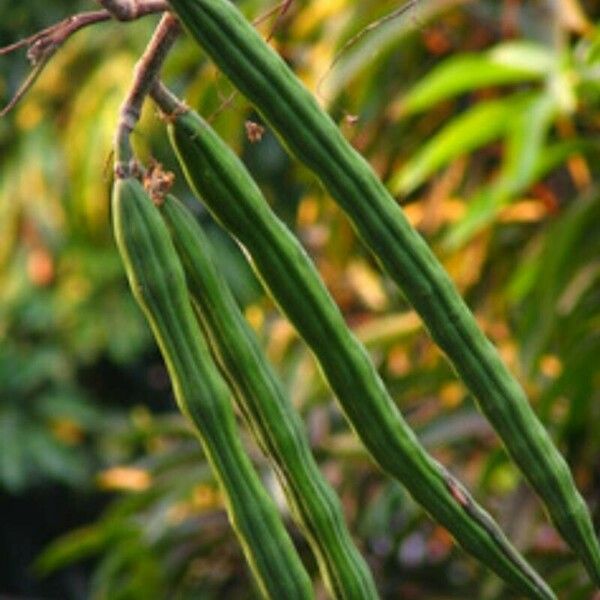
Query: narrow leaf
point(508, 63)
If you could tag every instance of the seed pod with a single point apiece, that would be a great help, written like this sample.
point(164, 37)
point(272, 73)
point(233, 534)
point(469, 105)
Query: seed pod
point(232, 196)
point(274, 421)
point(158, 284)
point(259, 73)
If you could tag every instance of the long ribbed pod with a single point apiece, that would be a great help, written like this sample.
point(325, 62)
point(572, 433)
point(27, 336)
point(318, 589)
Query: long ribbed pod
point(158, 283)
point(229, 192)
point(312, 136)
point(274, 421)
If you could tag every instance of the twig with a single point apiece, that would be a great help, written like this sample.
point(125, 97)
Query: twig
point(56, 34)
point(145, 73)
point(169, 104)
point(24, 87)
point(42, 45)
point(362, 33)
point(129, 10)
point(280, 9)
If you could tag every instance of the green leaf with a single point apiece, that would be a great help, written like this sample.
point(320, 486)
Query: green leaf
point(75, 545)
point(13, 463)
point(480, 125)
point(527, 160)
point(508, 63)
point(569, 245)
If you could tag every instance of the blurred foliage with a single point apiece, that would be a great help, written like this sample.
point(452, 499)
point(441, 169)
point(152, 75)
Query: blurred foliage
point(481, 117)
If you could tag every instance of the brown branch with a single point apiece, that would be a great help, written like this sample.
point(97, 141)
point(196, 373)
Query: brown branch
point(145, 74)
point(42, 45)
point(56, 34)
point(24, 87)
point(129, 10)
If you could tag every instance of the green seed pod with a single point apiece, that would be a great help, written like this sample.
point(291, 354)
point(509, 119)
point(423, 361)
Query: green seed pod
point(229, 192)
point(313, 137)
point(158, 283)
point(274, 421)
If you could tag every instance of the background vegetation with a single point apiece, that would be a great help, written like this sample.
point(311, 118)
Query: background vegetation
point(482, 117)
